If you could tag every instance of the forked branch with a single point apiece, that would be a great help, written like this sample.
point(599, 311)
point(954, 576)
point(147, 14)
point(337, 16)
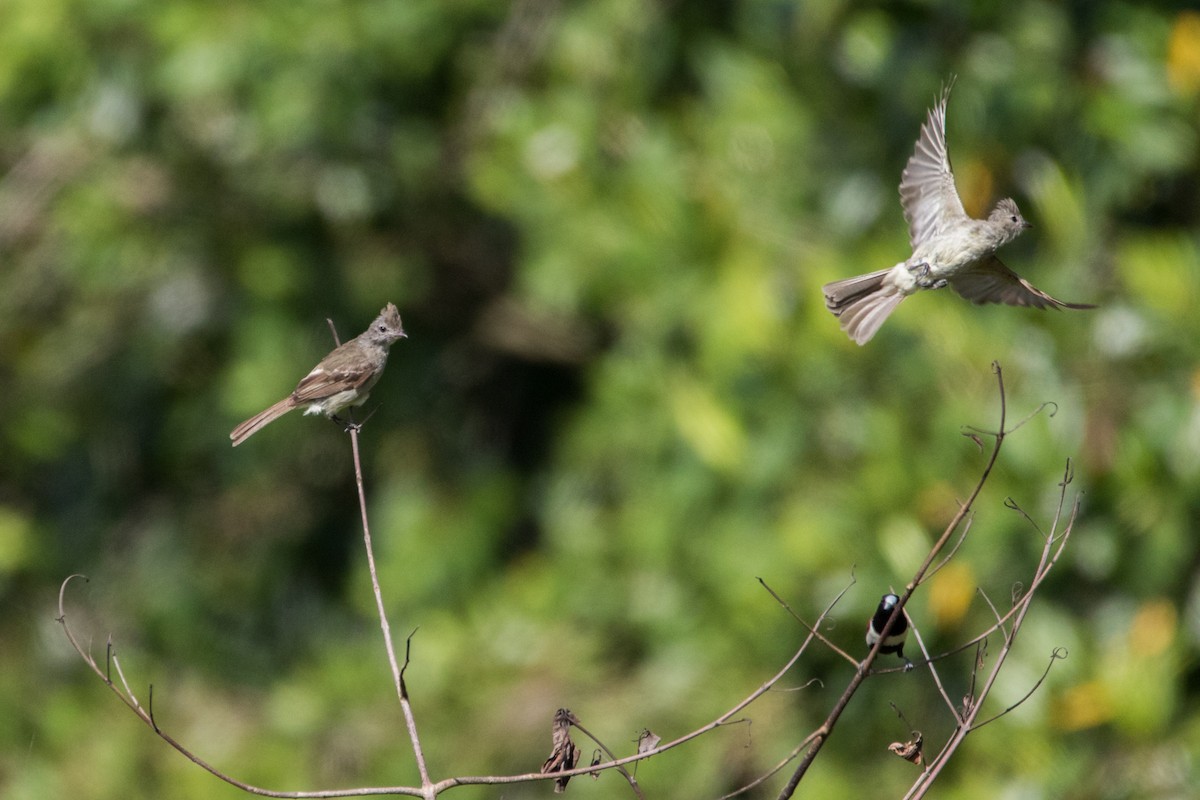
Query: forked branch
point(961, 518)
point(944, 548)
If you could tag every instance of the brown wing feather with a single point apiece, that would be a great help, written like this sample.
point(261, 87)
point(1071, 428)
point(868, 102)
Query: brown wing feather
point(927, 191)
point(340, 370)
point(991, 281)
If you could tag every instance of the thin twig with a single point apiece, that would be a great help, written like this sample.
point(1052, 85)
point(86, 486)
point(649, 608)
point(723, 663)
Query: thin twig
point(953, 550)
point(633, 784)
point(1056, 654)
point(827, 642)
point(116, 665)
point(409, 720)
point(1013, 505)
point(995, 612)
point(967, 645)
point(132, 704)
point(1053, 546)
point(725, 719)
point(860, 675)
point(937, 678)
point(428, 789)
point(761, 779)
point(1023, 422)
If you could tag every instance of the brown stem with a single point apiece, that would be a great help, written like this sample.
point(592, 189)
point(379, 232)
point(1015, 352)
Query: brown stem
point(1049, 558)
point(826, 728)
point(401, 690)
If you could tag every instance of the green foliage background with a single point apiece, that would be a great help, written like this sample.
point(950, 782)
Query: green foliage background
point(606, 225)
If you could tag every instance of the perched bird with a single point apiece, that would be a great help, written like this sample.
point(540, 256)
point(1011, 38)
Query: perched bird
point(949, 247)
point(894, 642)
point(343, 378)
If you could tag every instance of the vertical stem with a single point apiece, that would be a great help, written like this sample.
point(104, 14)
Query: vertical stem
point(397, 677)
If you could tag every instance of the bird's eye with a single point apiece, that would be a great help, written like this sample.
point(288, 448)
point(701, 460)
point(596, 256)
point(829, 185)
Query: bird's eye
point(1014, 219)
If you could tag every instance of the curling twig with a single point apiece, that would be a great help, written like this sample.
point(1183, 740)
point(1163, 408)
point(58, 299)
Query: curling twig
point(863, 671)
point(1054, 543)
point(126, 696)
point(1056, 654)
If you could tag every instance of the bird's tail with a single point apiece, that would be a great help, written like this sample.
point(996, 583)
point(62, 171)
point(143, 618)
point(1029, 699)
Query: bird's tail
point(862, 303)
point(251, 426)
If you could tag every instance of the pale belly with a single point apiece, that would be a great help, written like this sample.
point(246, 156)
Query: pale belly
point(937, 260)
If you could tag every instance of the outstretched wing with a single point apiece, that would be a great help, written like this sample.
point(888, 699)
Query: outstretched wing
point(990, 281)
point(927, 191)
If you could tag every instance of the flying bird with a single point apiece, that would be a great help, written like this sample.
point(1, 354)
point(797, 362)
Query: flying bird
point(949, 247)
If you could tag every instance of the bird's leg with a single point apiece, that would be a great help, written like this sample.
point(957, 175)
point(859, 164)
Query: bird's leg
point(347, 425)
point(921, 273)
point(352, 424)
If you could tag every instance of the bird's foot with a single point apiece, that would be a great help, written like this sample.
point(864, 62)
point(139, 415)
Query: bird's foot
point(908, 665)
point(348, 425)
point(352, 425)
point(921, 273)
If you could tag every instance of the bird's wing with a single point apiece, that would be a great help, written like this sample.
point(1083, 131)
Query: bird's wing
point(336, 373)
point(927, 191)
point(990, 281)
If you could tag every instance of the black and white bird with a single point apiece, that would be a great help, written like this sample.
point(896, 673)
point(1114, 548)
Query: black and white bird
point(894, 641)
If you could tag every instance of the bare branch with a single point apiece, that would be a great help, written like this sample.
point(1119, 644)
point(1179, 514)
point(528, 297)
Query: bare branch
point(999, 619)
point(1055, 655)
point(126, 697)
point(860, 675)
point(810, 628)
point(937, 678)
point(401, 690)
point(115, 662)
point(953, 550)
point(728, 718)
point(1048, 404)
point(761, 779)
point(1012, 504)
point(633, 783)
point(1049, 558)
point(563, 763)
